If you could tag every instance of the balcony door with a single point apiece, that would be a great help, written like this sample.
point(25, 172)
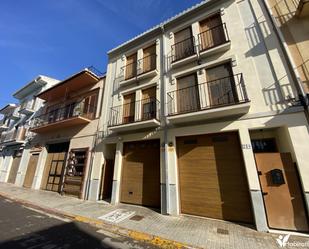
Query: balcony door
point(183, 46)
point(187, 94)
point(149, 58)
point(130, 71)
point(221, 85)
point(212, 33)
point(90, 106)
point(149, 103)
point(128, 108)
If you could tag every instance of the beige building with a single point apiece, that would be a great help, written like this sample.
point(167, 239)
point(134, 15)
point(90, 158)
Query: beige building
point(59, 155)
point(201, 117)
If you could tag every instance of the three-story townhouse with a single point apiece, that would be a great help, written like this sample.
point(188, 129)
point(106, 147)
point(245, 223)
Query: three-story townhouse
point(66, 132)
point(15, 138)
point(215, 127)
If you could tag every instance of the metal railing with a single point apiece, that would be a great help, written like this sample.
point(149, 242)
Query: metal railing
point(132, 112)
point(71, 110)
point(143, 65)
point(16, 134)
point(147, 64)
point(215, 93)
point(183, 49)
point(213, 37)
point(29, 105)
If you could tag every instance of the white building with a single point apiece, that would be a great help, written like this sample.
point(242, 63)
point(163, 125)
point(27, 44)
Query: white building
point(17, 135)
point(204, 119)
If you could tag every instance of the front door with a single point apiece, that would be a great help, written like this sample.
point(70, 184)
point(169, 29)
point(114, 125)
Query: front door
point(30, 173)
point(54, 167)
point(14, 168)
point(281, 191)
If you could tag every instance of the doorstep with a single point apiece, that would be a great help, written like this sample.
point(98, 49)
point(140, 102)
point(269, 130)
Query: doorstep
point(148, 225)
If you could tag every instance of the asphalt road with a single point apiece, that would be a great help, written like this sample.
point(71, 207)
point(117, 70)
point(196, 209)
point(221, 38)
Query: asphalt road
point(22, 227)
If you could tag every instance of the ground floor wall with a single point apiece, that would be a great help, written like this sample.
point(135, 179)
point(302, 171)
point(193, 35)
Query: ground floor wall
point(291, 132)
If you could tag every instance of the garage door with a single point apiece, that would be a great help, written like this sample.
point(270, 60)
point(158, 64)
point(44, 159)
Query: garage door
point(31, 168)
point(212, 177)
point(14, 169)
point(140, 180)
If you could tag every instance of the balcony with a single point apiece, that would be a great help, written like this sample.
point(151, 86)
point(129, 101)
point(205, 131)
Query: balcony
point(213, 40)
point(142, 114)
point(70, 115)
point(183, 52)
point(14, 137)
point(142, 69)
point(27, 107)
point(302, 7)
point(3, 125)
point(213, 99)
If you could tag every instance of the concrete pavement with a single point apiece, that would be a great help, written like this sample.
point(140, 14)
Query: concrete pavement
point(148, 225)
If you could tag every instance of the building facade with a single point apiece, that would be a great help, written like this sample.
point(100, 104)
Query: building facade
point(60, 154)
point(16, 135)
point(205, 119)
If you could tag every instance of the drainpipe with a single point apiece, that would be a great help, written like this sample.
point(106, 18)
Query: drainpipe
point(301, 93)
point(164, 120)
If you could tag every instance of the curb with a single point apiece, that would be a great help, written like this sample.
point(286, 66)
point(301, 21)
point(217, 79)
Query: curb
point(135, 235)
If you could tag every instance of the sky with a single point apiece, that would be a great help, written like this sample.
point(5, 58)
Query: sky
point(58, 38)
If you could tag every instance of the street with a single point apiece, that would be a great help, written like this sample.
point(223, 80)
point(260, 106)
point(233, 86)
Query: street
point(22, 227)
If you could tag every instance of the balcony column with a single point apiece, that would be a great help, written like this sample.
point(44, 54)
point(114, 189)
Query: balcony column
point(195, 31)
point(139, 62)
point(253, 181)
point(138, 105)
point(117, 174)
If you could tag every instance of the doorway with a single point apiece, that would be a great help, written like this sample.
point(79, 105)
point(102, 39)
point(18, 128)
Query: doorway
point(279, 180)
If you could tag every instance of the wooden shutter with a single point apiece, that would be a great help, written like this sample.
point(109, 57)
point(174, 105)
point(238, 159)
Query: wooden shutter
point(149, 60)
point(90, 106)
point(129, 108)
point(212, 33)
point(149, 103)
point(131, 66)
point(221, 86)
point(187, 94)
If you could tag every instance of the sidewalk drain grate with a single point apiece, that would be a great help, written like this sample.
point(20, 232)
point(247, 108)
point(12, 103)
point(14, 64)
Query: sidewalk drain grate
point(137, 217)
point(222, 231)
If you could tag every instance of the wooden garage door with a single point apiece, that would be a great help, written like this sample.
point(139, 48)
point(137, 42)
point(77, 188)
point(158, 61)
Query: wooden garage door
point(14, 169)
point(54, 167)
point(140, 180)
point(31, 168)
point(212, 177)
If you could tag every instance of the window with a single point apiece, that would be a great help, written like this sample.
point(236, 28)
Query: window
point(184, 45)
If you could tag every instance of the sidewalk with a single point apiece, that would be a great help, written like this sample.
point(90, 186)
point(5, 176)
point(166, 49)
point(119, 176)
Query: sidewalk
point(146, 223)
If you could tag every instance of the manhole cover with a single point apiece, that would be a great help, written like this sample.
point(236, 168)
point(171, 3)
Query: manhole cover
point(222, 231)
point(137, 217)
point(117, 215)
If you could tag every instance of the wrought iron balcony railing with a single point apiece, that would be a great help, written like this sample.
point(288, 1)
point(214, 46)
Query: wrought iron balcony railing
point(69, 111)
point(183, 49)
point(143, 65)
point(213, 37)
point(16, 134)
point(142, 110)
point(215, 93)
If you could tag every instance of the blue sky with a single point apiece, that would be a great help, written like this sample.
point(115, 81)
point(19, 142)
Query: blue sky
point(59, 37)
